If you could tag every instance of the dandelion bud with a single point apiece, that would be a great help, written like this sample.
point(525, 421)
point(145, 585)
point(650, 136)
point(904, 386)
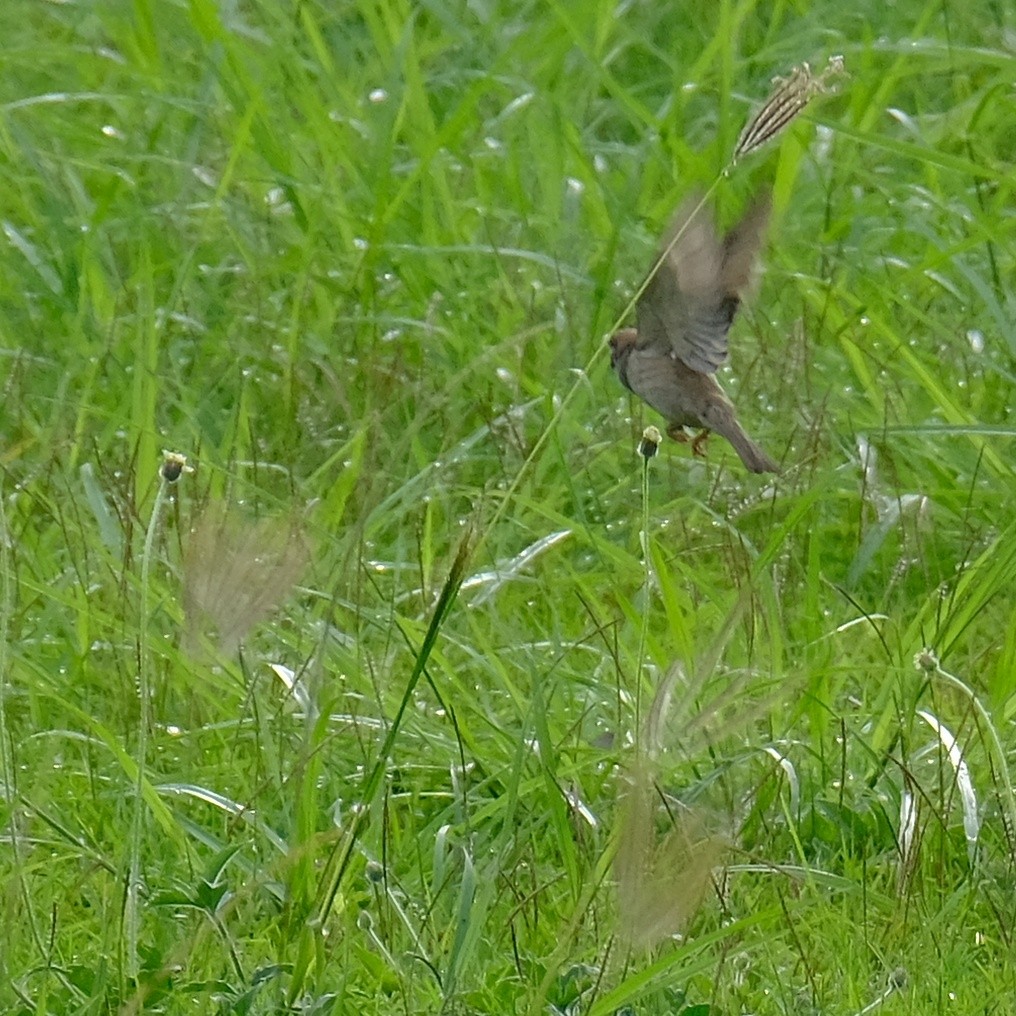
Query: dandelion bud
point(173, 466)
point(650, 443)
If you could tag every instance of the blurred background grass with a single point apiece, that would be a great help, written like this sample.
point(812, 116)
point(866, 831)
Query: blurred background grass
point(357, 261)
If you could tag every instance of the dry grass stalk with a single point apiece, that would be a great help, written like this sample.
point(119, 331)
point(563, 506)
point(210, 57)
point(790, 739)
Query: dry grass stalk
point(789, 97)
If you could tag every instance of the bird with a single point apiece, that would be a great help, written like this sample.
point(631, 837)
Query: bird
point(683, 315)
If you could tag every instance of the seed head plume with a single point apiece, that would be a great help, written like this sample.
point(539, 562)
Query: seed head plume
point(236, 572)
point(787, 99)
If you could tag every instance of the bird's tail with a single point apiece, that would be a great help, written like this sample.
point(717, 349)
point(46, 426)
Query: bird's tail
point(720, 417)
point(751, 454)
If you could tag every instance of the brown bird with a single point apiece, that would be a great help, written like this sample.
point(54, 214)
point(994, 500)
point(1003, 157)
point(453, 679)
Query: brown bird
point(684, 315)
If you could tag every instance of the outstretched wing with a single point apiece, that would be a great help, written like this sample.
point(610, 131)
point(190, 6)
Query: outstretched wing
point(689, 304)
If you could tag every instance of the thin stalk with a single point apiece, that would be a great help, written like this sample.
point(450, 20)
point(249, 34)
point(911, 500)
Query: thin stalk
point(173, 466)
point(648, 447)
point(8, 768)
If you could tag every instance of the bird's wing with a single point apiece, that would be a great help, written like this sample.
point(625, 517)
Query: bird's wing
point(689, 303)
point(743, 243)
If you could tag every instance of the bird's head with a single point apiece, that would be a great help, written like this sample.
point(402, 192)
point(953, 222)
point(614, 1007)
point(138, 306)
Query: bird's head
point(621, 343)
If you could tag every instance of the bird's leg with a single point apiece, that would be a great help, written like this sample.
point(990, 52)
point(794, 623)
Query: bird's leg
point(676, 432)
point(698, 443)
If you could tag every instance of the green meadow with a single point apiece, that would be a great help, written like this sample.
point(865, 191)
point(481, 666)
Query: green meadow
point(416, 688)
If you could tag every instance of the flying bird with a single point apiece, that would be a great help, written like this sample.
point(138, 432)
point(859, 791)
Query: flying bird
point(684, 315)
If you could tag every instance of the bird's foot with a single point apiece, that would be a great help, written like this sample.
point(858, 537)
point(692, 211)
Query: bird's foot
point(698, 444)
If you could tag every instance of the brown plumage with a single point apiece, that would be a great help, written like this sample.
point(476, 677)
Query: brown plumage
point(684, 315)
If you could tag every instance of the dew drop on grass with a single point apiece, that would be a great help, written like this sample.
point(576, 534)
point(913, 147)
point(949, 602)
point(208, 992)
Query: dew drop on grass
point(112, 132)
point(976, 339)
point(275, 199)
point(378, 95)
point(204, 175)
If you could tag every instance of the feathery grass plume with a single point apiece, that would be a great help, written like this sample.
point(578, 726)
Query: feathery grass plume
point(236, 572)
point(790, 96)
point(661, 878)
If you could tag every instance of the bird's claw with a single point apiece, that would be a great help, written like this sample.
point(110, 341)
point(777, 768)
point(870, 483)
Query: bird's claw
point(698, 443)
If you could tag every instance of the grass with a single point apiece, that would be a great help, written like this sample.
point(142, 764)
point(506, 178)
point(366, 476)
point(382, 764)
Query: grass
point(357, 262)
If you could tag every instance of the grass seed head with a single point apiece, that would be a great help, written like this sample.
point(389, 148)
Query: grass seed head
point(787, 99)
